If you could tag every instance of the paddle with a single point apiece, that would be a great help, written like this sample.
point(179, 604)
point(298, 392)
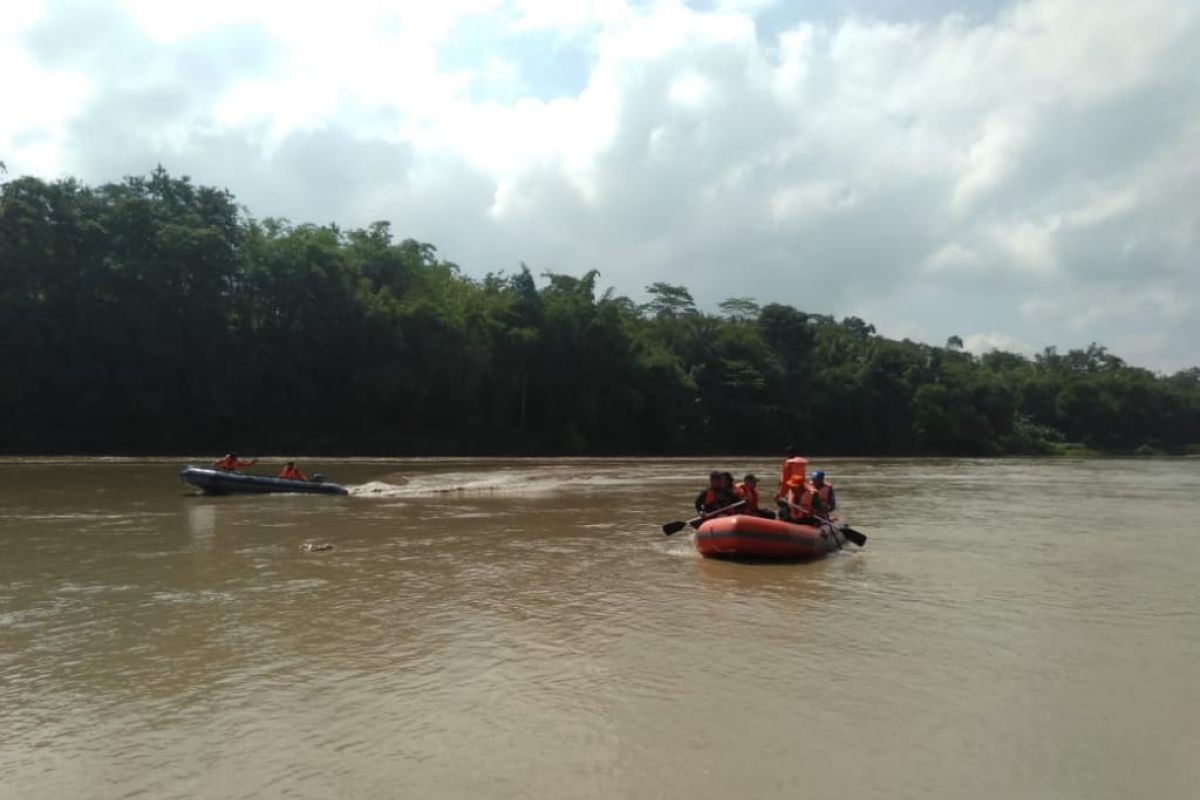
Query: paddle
point(676, 527)
point(859, 539)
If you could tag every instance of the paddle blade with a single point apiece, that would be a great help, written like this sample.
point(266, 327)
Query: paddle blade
point(673, 527)
point(854, 536)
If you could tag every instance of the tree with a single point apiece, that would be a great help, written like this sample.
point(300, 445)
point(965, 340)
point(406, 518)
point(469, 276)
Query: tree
point(857, 327)
point(739, 309)
point(669, 301)
point(154, 315)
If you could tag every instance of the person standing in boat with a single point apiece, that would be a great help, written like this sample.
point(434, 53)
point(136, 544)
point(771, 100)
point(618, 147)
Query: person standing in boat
point(231, 463)
point(824, 492)
point(290, 472)
point(718, 495)
point(748, 490)
point(793, 473)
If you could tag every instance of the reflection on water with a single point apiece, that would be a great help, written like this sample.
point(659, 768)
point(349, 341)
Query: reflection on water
point(516, 629)
point(201, 520)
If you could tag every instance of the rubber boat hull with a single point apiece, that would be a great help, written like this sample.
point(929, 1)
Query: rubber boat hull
point(217, 481)
point(758, 539)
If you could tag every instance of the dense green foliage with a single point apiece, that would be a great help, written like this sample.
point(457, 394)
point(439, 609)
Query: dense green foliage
point(154, 316)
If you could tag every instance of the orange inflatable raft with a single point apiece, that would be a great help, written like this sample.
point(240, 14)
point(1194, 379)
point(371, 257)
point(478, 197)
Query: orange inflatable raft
point(756, 538)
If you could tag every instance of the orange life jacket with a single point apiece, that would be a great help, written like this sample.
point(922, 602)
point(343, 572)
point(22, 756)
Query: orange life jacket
point(713, 499)
point(802, 497)
point(793, 474)
point(228, 462)
point(291, 473)
point(824, 491)
point(749, 494)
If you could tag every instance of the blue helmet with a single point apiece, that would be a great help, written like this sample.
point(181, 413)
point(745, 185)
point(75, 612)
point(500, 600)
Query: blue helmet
point(819, 474)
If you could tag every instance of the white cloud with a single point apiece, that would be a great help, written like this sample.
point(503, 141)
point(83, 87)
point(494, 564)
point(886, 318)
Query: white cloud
point(570, 18)
point(992, 157)
point(688, 90)
point(801, 203)
point(985, 342)
point(1039, 308)
point(953, 259)
point(1031, 174)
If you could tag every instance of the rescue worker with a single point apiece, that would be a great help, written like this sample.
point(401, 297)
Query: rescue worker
point(793, 473)
point(799, 503)
point(824, 492)
point(290, 472)
point(718, 495)
point(231, 463)
point(748, 490)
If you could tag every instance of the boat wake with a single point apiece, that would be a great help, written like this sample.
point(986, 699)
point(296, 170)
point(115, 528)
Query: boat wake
point(518, 482)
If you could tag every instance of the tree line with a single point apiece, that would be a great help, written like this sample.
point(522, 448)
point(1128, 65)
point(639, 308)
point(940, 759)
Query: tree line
point(156, 316)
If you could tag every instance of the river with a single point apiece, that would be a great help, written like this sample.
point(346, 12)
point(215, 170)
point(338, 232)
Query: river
point(522, 628)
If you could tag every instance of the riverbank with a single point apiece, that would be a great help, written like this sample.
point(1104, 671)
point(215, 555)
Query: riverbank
point(396, 449)
point(1080, 450)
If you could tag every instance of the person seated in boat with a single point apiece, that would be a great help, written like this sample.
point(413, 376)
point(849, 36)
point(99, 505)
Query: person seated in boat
point(793, 473)
point(800, 503)
point(231, 463)
point(290, 472)
point(718, 495)
point(748, 490)
point(824, 492)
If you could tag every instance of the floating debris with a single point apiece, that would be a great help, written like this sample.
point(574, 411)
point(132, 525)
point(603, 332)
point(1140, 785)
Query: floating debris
point(313, 547)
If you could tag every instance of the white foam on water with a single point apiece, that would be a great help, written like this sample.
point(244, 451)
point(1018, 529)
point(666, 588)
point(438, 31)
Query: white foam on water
point(187, 598)
point(678, 546)
point(375, 489)
point(92, 588)
point(526, 481)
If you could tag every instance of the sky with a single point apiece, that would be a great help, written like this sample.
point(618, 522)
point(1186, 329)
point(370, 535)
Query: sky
point(1019, 174)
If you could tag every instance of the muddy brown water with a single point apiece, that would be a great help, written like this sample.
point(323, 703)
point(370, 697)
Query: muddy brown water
point(514, 629)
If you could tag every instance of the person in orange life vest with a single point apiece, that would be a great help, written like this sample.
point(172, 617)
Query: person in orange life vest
point(719, 494)
point(290, 472)
point(231, 463)
point(792, 474)
point(748, 490)
point(824, 492)
point(800, 502)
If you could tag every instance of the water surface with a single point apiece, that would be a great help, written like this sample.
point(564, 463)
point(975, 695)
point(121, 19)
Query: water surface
point(512, 629)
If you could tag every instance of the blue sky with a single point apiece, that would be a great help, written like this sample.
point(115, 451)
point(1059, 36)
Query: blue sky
point(1016, 173)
